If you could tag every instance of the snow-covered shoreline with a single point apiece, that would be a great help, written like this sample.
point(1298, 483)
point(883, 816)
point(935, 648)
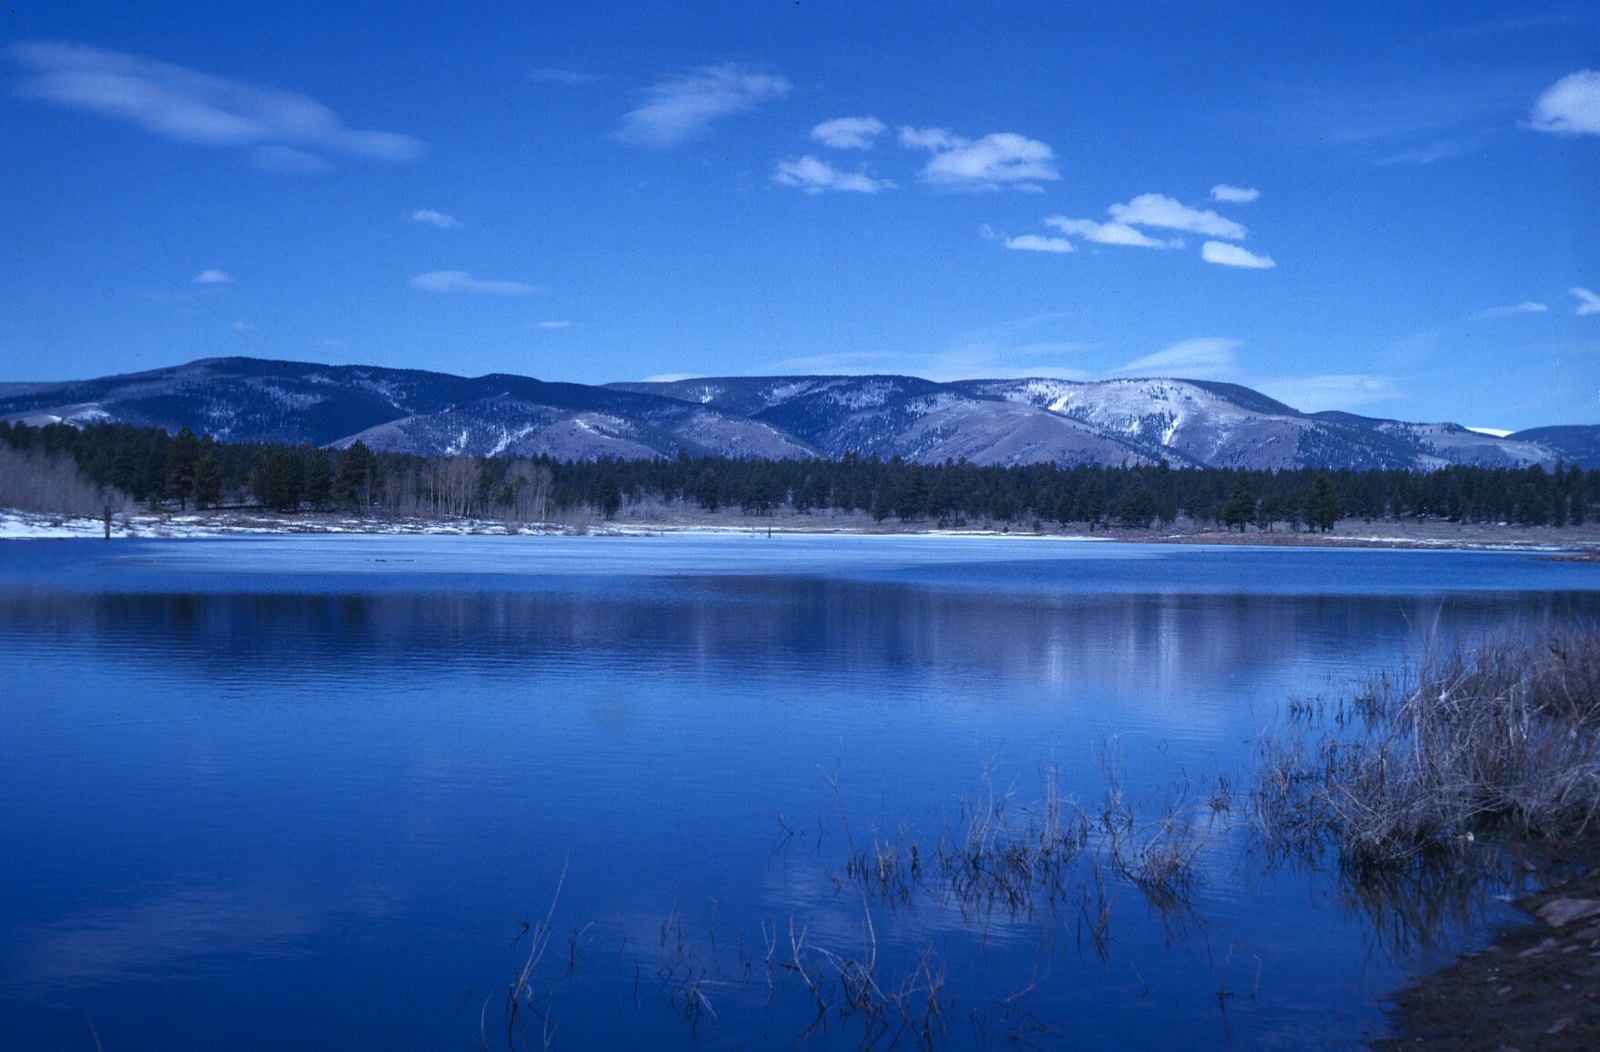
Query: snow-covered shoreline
point(22, 525)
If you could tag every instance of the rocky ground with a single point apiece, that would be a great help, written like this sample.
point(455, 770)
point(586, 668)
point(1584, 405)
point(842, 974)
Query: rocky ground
point(1536, 987)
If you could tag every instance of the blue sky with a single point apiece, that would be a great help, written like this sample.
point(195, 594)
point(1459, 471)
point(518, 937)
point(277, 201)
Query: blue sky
point(1386, 208)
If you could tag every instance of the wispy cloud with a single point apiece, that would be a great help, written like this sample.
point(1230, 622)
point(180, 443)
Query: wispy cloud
point(1527, 307)
point(280, 129)
point(290, 159)
point(212, 277)
point(567, 78)
point(849, 133)
point(1016, 348)
point(1588, 302)
point(1224, 254)
point(1402, 121)
point(461, 281)
point(1204, 358)
point(1234, 194)
point(1035, 243)
point(1113, 233)
point(1313, 394)
point(682, 107)
point(996, 160)
point(433, 218)
point(552, 325)
point(1570, 106)
point(961, 363)
point(815, 176)
point(1158, 210)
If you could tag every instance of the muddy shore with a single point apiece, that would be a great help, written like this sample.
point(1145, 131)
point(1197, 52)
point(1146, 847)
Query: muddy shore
point(1537, 986)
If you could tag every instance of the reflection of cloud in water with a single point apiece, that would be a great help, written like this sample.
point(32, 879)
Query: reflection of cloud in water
point(171, 934)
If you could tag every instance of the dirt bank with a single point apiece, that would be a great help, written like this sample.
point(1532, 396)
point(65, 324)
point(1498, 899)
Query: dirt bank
point(1536, 987)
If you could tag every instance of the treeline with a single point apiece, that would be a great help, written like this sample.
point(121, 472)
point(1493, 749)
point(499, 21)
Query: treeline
point(152, 466)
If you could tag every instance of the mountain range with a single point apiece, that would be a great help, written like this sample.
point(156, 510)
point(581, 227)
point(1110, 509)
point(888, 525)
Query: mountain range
point(1133, 421)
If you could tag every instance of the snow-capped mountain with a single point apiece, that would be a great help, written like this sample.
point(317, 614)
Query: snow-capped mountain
point(1132, 421)
point(1186, 422)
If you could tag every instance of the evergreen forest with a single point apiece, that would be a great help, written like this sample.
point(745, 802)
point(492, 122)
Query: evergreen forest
point(123, 463)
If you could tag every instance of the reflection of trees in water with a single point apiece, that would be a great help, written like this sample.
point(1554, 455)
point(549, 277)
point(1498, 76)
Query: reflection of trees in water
point(1158, 646)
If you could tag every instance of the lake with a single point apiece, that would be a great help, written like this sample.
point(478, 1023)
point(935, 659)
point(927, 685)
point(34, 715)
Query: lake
point(329, 792)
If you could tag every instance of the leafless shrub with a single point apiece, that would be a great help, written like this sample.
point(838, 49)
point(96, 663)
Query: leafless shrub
point(1501, 738)
point(40, 481)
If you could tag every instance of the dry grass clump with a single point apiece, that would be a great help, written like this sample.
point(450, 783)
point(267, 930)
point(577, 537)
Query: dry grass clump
point(1002, 855)
point(996, 853)
point(1502, 738)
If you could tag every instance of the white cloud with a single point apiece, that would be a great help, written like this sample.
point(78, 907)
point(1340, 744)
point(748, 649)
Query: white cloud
point(682, 107)
point(241, 326)
point(1035, 243)
point(928, 138)
point(284, 129)
point(1205, 358)
point(849, 133)
point(1234, 194)
point(1570, 106)
point(1233, 256)
point(438, 219)
point(1588, 302)
point(1528, 307)
point(552, 324)
point(1158, 210)
point(212, 277)
point(1313, 394)
point(1112, 233)
point(461, 281)
point(995, 160)
point(814, 176)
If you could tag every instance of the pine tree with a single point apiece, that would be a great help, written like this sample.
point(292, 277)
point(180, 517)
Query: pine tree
point(1240, 507)
point(319, 480)
point(207, 481)
point(357, 479)
point(1322, 504)
point(1136, 508)
point(183, 456)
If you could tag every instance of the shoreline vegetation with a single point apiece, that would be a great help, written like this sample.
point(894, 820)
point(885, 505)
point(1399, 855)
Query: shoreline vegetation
point(1482, 761)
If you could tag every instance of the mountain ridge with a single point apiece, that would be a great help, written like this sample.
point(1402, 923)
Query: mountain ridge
point(984, 421)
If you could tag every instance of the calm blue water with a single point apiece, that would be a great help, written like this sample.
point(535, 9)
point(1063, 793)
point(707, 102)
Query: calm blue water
point(301, 791)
